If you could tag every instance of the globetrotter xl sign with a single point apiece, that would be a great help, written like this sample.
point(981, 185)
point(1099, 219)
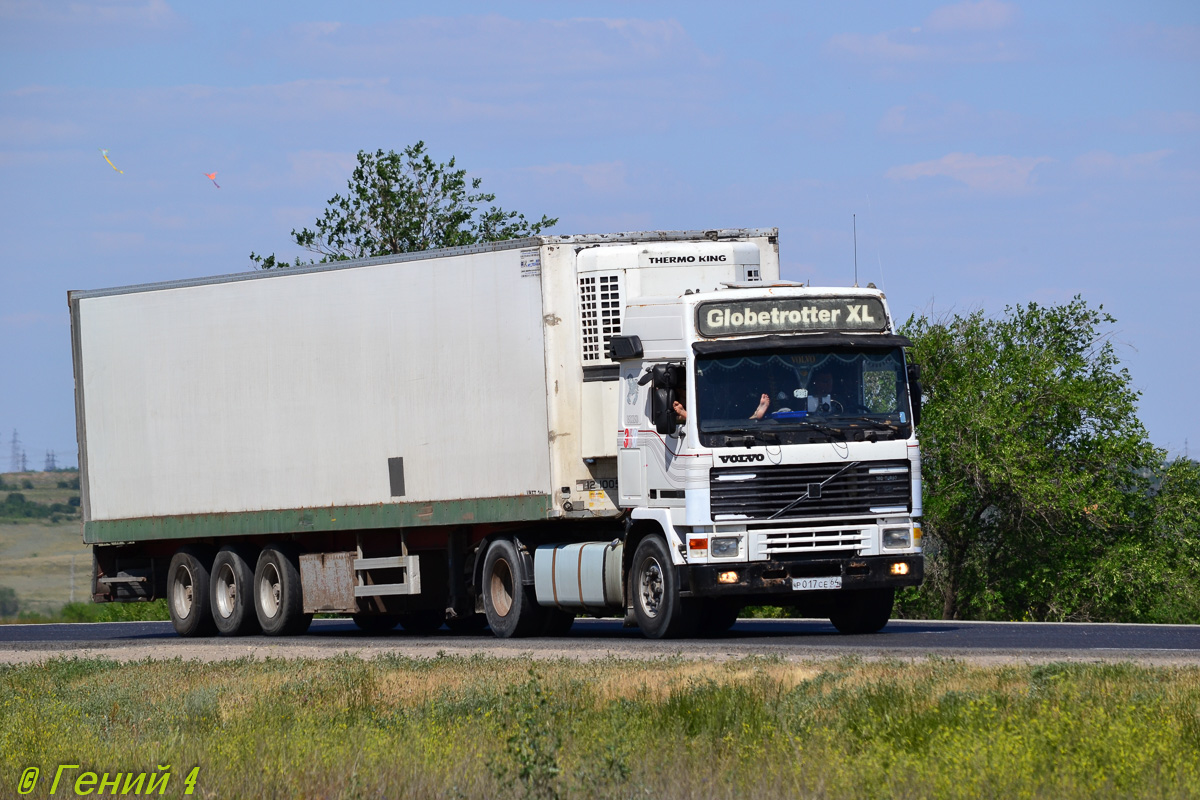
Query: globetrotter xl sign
point(791, 315)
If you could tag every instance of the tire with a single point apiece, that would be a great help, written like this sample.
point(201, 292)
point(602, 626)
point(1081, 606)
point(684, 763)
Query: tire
point(231, 587)
point(660, 612)
point(557, 622)
point(375, 623)
point(471, 623)
point(423, 622)
point(863, 611)
point(716, 617)
point(188, 592)
point(511, 607)
point(278, 593)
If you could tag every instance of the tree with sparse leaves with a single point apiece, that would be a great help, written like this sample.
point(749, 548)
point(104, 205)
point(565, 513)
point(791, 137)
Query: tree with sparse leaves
point(1035, 464)
point(406, 202)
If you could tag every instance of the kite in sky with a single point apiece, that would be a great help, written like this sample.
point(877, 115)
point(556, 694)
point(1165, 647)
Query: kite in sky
point(212, 176)
point(104, 153)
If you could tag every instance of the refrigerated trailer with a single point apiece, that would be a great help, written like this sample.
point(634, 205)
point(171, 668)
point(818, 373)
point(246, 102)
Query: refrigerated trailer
point(644, 425)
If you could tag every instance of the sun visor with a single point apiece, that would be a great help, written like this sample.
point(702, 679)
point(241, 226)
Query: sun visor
point(799, 342)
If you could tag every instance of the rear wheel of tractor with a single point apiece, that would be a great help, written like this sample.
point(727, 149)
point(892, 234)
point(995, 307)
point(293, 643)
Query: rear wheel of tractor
point(510, 605)
point(422, 622)
point(863, 611)
point(375, 623)
point(278, 595)
point(187, 592)
point(231, 586)
point(661, 613)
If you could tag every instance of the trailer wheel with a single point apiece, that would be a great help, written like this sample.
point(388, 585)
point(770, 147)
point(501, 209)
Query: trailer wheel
point(278, 594)
point(511, 607)
point(661, 613)
point(423, 622)
point(375, 623)
point(231, 587)
point(863, 611)
point(187, 592)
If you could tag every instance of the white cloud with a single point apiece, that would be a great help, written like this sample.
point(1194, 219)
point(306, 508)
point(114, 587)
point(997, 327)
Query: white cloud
point(603, 177)
point(984, 15)
point(929, 118)
point(1170, 42)
point(1135, 165)
point(982, 173)
point(962, 33)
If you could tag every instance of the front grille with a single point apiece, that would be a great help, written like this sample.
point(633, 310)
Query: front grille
point(760, 491)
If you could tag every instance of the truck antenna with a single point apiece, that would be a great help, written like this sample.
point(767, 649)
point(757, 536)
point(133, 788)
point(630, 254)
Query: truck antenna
point(854, 219)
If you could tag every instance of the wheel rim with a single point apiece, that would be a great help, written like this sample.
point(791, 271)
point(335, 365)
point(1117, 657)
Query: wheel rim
point(270, 591)
point(650, 587)
point(501, 587)
point(182, 592)
point(226, 598)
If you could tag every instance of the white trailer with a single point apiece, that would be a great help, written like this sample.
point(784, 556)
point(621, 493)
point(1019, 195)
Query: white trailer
point(447, 437)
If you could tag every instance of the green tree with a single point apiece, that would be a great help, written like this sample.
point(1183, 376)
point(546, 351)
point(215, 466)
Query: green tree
point(406, 202)
point(1153, 573)
point(1034, 462)
point(9, 605)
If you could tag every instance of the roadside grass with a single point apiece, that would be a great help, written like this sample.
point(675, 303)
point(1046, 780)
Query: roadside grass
point(154, 610)
point(484, 727)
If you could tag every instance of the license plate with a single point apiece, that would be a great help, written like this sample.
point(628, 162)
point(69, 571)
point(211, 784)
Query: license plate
point(811, 584)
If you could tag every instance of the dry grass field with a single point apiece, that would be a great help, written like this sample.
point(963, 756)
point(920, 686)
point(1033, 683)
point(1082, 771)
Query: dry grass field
point(38, 556)
point(483, 727)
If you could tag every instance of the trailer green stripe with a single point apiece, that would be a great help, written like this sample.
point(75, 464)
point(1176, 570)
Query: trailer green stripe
point(523, 508)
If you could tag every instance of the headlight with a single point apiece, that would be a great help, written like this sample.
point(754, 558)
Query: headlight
point(723, 547)
point(897, 538)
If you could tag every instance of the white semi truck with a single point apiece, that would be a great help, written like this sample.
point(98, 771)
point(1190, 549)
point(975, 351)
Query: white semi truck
point(644, 425)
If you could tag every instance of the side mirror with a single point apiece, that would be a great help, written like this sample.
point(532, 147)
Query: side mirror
point(666, 378)
point(915, 391)
point(663, 410)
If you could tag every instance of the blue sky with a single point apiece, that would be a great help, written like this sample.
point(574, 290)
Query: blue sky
point(994, 153)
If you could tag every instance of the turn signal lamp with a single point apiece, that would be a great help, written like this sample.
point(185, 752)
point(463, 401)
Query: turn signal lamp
point(699, 543)
point(899, 568)
point(727, 577)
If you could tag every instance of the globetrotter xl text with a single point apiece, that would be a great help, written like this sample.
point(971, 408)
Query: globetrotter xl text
point(791, 315)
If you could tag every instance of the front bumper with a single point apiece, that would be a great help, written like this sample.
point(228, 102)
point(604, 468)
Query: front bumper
point(775, 577)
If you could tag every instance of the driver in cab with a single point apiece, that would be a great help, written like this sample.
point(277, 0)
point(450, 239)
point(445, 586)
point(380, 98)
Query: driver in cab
point(820, 397)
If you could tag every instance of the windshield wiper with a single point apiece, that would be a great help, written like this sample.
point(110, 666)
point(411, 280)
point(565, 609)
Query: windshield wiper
point(816, 426)
point(877, 423)
point(748, 438)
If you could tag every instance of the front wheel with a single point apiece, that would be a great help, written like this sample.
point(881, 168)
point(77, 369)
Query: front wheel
point(717, 616)
point(187, 592)
point(661, 613)
point(863, 611)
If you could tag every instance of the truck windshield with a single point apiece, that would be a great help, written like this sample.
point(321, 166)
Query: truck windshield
point(803, 395)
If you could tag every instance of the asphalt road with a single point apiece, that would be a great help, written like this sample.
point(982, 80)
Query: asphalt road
point(792, 639)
